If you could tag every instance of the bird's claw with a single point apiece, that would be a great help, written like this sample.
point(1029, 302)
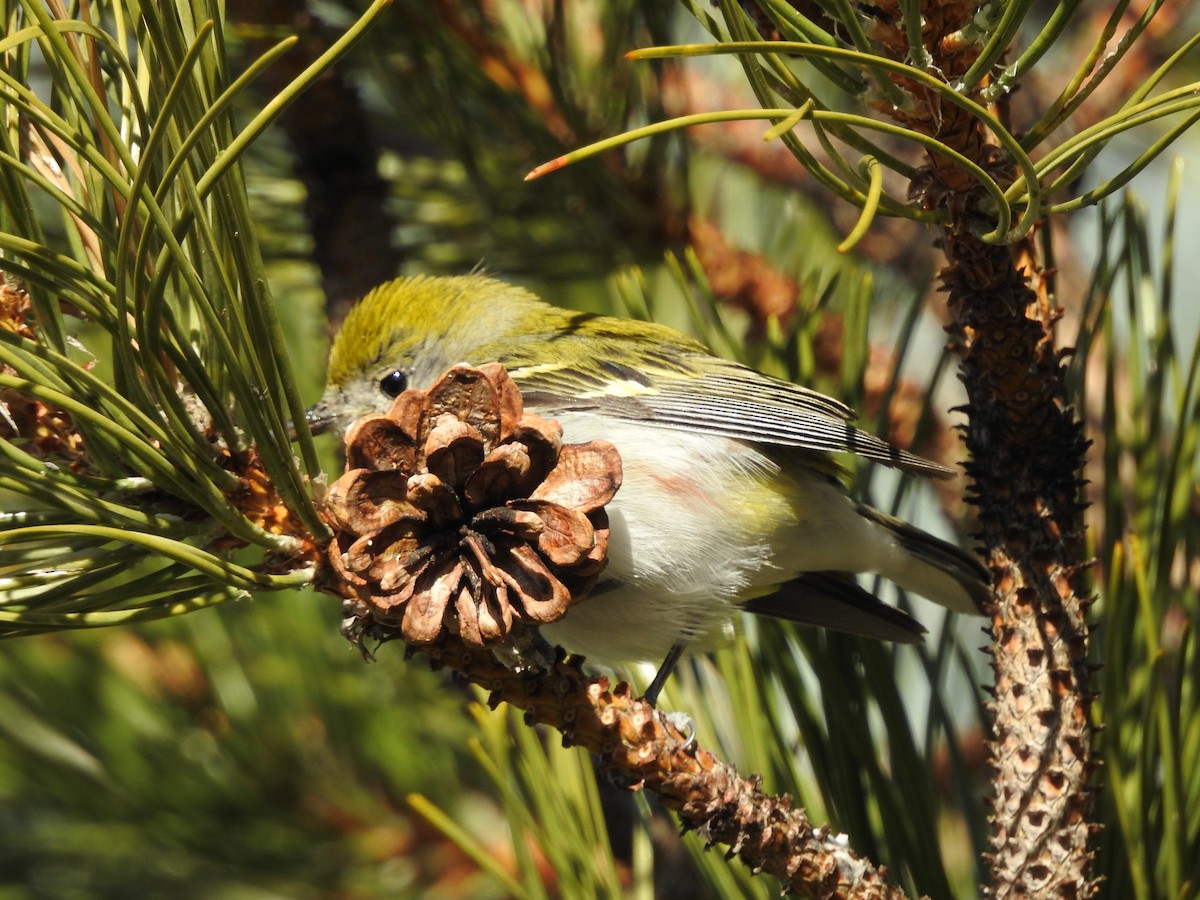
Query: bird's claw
point(683, 723)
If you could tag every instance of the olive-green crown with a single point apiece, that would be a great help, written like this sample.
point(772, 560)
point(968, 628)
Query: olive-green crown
point(413, 315)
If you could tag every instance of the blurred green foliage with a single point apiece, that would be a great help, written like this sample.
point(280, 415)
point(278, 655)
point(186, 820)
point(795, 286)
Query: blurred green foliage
point(249, 752)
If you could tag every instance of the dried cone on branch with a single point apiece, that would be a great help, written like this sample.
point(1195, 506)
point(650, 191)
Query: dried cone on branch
point(459, 510)
point(36, 427)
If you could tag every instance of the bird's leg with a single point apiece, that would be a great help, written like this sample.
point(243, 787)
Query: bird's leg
point(664, 672)
point(681, 721)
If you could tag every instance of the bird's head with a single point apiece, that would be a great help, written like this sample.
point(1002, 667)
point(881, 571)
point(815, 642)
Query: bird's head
point(407, 332)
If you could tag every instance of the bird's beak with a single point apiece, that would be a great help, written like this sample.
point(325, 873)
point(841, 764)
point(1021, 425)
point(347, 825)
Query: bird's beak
point(320, 418)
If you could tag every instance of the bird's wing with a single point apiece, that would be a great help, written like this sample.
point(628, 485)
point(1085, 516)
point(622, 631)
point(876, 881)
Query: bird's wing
point(708, 394)
point(836, 600)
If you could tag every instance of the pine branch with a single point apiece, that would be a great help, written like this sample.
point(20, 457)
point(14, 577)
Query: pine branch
point(637, 745)
point(1027, 452)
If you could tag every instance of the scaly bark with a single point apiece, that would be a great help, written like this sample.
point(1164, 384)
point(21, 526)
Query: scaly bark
point(1027, 450)
point(634, 742)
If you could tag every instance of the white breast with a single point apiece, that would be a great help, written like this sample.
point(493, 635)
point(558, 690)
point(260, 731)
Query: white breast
point(684, 544)
point(700, 525)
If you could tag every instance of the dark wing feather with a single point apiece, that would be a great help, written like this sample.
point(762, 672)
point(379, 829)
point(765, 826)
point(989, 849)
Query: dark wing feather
point(836, 600)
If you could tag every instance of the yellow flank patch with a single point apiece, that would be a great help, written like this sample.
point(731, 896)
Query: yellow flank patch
point(766, 504)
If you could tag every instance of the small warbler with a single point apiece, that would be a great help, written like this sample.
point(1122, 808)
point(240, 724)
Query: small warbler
point(730, 498)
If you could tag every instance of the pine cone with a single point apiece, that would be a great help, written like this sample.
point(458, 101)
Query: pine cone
point(458, 510)
point(33, 425)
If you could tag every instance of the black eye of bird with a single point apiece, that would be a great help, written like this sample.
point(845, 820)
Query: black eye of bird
point(394, 383)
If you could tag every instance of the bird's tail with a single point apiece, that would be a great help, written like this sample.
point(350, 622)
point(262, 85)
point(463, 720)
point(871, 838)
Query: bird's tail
point(933, 568)
point(927, 566)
